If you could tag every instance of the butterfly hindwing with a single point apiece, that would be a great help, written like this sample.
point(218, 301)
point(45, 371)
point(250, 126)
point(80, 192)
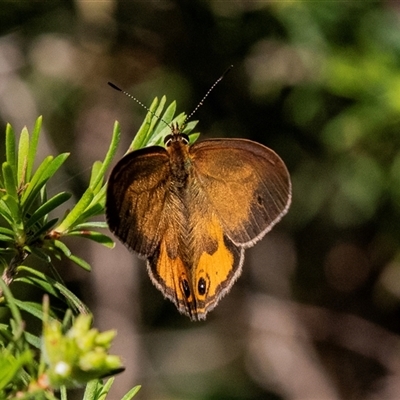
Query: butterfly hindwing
point(195, 263)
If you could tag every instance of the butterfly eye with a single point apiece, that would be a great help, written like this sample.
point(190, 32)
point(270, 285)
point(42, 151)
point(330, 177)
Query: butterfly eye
point(175, 137)
point(168, 140)
point(202, 286)
point(185, 288)
point(185, 138)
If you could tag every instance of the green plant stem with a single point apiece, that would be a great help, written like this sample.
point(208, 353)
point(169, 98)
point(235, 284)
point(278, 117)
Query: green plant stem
point(11, 271)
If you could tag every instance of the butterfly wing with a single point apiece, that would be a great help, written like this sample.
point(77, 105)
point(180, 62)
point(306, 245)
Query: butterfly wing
point(246, 183)
point(136, 197)
point(196, 263)
point(193, 238)
point(218, 262)
point(147, 216)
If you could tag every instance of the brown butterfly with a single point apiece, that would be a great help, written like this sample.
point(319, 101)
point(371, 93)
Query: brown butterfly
point(191, 211)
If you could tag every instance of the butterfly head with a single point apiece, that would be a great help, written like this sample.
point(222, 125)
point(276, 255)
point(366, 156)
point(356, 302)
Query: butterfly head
point(176, 135)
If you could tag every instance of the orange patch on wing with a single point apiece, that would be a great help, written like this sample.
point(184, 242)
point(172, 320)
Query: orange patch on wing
point(172, 272)
point(215, 269)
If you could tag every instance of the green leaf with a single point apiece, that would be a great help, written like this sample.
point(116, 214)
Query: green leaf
point(7, 235)
point(79, 261)
point(36, 178)
point(100, 196)
point(10, 365)
point(193, 137)
point(13, 207)
point(140, 138)
point(132, 393)
point(9, 180)
point(157, 125)
point(67, 252)
point(14, 215)
point(158, 112)
point(72, 299)
point(63, 247)
point(30, 307)
point(95, 236)
point(106, 388)
point(5, 212)
point(33, 148)
point(44, 229)
point(6, 231)
point(7, 238)
point(95, 184)
point(161, 126)
point(52, 286)
point(48, 206)
point(88, 225)
point(189, 126)
point(39, 253)
point(165, 120)
point(63, 392)
point(115, 139)
point(23, 150)
point(92, 390)
point(76, 213)
point(40, 283)
point(11, 303)
point(96, 177)
point(11, 157)
point(92, 211)
point(46, 170)
point(33, 340)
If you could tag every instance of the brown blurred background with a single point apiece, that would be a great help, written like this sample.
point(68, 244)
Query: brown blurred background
point(315, 314)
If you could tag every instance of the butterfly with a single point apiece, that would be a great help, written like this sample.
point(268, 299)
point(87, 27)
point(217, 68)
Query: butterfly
point(192, 210)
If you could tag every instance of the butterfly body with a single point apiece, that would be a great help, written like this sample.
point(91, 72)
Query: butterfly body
point(192, 210)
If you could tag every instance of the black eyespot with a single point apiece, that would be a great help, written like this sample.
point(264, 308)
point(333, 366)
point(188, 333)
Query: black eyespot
point(202, 286)
point(185, 288)
point(260, 200)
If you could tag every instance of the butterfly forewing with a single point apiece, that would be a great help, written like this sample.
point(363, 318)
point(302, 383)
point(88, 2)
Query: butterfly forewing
point(136, 198)
point(246, 183)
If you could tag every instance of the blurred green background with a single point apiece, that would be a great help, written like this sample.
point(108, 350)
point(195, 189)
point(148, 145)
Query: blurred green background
point(315, 314)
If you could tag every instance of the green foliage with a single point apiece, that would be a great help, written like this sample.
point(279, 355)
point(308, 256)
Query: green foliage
point(25, 208)
point(349, 108)
point(157, 125)
point(71, 352)
point(28, 230)
point(77, 355)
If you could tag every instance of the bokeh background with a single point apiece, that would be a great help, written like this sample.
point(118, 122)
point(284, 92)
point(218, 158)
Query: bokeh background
point(315, 314)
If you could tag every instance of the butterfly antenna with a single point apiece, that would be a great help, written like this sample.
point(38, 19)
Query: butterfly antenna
point(208, 92)
point(190, 115)
point(137, 101)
